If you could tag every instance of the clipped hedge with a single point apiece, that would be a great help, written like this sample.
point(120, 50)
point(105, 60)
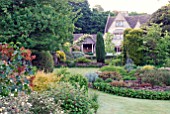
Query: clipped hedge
point(125, 92)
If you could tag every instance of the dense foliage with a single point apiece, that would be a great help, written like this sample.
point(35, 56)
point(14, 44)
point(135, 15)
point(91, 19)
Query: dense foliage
point(109, 46)
point(150, 47)
point(91, 21)
point(15, 65)
point(132, 38)
point(100, 48)
point(39, 25)
point(162, 16)
point(44, 61)
point(125, 92)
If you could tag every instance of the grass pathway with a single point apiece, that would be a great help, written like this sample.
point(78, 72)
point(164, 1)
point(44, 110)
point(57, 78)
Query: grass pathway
point(110, 104)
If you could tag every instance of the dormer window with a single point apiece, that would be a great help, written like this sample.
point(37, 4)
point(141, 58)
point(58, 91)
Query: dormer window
point(119, 23)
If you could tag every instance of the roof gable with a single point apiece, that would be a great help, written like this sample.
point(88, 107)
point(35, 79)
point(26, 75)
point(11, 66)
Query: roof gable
point(131, 20)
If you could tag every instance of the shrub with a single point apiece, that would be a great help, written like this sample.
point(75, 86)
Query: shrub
point(15, 65)
point(61, 55)
point(43, 81)
point(62, 72)
point(118, 84)
point(100, 48)
point(129, 67)
point(44, 104)
point(15, 105)
point(108, 68)
point(70, 63)
point(167, 63)
point(99, 80)
point(115, 62)
point(94, 102)
point(82, 60)
point(141, 94)
point(148, 67)
point(81, 80)
point(112, 75)
point(76, 79)
point(91, 77)
point(78, 54)
point(108, 80)
point(74, 99)
point(154, 77)
point(129, 78)
point(44, 61)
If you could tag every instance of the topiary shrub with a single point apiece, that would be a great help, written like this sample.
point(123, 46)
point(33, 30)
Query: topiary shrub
point(44, 61)
point(100, 48)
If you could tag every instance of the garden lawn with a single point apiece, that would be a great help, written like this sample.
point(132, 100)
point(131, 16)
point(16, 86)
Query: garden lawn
point(111, 104)
point(82, 71)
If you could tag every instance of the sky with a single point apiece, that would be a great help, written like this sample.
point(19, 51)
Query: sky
point(140, 6)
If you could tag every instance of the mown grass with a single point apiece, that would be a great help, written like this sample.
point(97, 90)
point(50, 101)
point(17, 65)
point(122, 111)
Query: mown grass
point(82, 71)
point(110, 104)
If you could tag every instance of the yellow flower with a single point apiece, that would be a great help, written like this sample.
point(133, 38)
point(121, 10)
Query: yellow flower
point(1, 110)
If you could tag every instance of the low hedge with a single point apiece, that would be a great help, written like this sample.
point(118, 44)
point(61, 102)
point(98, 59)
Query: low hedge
point(126, 92)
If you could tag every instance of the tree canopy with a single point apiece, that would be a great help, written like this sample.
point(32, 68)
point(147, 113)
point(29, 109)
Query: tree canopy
point(162, 16)
point(91, 21)
point(37, 24)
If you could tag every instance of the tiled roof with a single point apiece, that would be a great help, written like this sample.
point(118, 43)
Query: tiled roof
point(132, 20)
point(109, 23)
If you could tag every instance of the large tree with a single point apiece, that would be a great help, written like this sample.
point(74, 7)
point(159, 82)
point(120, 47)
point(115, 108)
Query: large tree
point(37, 24)
point(100, 48)
point(91, 21)
point(132, 45)
point(162, 16)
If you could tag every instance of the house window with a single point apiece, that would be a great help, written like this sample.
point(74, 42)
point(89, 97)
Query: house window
point(118, 49)
point(118, 36)
point(119, 24)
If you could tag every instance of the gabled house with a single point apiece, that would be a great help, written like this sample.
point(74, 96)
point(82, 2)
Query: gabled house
point(117, 25)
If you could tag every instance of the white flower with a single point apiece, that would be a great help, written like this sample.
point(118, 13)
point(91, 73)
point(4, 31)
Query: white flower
point(12, 95)
point(6, 113)
point(22, 103)
point(16, 90)
point(29, 104)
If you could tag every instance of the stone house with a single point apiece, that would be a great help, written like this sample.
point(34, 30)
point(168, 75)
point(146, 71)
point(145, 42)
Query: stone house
point(116, 26)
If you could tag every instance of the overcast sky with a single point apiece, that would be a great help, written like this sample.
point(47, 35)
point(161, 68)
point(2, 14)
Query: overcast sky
point(141, 6)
